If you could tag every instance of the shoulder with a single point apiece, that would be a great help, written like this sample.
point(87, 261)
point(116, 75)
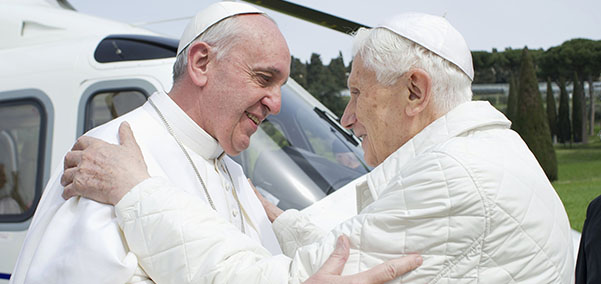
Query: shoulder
point(138, 119)
point(594, 208)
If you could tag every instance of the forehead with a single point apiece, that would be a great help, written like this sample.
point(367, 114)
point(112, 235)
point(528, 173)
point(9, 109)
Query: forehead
point(258, 30)
point(261, 41)
point(360, 74)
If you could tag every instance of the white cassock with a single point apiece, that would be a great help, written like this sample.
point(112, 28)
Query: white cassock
point(79, 240)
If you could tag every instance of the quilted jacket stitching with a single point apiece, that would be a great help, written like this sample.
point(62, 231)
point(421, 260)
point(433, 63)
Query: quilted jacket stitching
point(479, 242)
point(524, 233)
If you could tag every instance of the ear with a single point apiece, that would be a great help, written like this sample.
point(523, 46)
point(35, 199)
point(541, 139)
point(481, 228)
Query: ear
point(198, 62)
point(420, 86)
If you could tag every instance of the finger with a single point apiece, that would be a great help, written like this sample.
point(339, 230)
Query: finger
point(335, 263)
point(72, 159)
point(83, 142)
point(389, 270)
point(67, 177)
point(252, 185)
point(126, 135)
point(68, 191)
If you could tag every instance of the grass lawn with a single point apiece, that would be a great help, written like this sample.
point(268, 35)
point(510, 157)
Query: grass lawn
point(579, 178)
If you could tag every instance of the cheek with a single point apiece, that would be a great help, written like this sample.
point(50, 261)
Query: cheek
point(369, 154)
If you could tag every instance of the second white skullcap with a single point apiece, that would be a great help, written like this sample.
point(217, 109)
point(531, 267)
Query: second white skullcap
point(434, 34)
point(210, 16)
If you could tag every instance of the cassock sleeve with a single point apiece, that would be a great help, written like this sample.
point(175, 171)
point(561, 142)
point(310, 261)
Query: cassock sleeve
point(74, 241)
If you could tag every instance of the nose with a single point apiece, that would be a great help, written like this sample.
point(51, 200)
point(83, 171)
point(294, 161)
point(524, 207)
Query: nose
point(273, 100)
point(349, 119)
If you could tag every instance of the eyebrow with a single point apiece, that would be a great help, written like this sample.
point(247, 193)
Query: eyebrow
point(272, 70)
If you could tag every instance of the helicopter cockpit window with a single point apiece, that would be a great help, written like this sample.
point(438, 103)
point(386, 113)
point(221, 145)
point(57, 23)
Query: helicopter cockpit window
point(107, 105)
point(117, 48)
point(21, 157)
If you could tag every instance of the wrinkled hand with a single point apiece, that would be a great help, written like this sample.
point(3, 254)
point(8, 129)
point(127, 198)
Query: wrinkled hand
point(271, 209)
point(101, 171)
point(331, 269)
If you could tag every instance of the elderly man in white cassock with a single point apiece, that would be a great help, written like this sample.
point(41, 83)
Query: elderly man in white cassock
point(451, 181)
point(231, 62)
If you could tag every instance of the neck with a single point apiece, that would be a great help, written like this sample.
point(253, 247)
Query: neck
point(188, 100)
point(423, 119)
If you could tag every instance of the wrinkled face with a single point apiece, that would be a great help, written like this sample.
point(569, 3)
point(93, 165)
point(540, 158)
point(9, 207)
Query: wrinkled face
point(376, 113)
point(243, 87)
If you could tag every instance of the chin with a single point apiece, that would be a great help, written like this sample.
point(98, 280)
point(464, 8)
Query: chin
point(369, 160)
point(238, 148)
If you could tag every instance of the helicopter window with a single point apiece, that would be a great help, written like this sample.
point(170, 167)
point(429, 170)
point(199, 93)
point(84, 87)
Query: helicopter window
point(329, 146)
point(117, 48)
point(21, 157)
point(107, 105)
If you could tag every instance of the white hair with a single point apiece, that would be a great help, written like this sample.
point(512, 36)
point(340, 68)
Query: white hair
point(390, 56)
point(221, 37)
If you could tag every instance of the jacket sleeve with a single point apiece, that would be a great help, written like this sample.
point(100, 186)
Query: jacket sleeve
point(431, 207)
point(178, 239)
point(294, 230)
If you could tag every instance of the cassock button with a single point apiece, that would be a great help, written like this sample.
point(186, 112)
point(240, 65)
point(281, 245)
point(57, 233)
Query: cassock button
point(234, 213)
point(228, 187)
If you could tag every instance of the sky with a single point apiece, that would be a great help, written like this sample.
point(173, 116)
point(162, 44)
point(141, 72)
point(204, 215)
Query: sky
point(484, 24)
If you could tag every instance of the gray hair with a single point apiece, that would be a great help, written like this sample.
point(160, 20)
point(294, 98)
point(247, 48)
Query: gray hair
point(390, 56)
point(221, 37)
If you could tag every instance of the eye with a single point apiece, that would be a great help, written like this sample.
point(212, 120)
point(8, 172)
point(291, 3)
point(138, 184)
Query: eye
point(263, 79)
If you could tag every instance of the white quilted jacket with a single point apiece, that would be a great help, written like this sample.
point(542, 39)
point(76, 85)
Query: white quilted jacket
point(466, 193)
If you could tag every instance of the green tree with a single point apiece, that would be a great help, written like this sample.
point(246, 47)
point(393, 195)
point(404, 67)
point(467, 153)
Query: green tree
point(338, 71)
point(322, 85)
point(483, 67)
point(318, 77)
point(512, 101)
point(564, 129)
point(298, 71)
point(576, 55)
point(578, 114)
point(532, 121)
point(506, 64)
point(551, 110)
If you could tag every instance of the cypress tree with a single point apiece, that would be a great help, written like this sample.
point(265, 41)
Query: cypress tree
point(512, 101)
point(532, 121)
point(564, 129)
point(577, 110)
point(551, 110)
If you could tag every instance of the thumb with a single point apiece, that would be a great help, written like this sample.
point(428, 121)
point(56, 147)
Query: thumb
point(126, 135)
point(335, 263)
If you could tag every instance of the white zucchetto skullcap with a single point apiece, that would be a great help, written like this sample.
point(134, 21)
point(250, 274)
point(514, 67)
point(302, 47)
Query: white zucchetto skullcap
point(210, 16)
point(434, 34)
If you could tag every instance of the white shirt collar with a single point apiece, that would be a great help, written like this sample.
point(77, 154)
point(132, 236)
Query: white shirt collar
point(186, 130)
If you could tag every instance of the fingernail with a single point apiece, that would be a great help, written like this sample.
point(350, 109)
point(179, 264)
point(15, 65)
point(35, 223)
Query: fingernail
point(419, 260)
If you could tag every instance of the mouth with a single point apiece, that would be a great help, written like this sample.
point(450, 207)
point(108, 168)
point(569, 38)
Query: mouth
point(253, 117)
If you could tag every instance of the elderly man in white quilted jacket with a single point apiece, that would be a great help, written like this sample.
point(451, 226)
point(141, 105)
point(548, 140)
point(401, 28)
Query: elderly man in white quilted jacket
point(451, 181)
